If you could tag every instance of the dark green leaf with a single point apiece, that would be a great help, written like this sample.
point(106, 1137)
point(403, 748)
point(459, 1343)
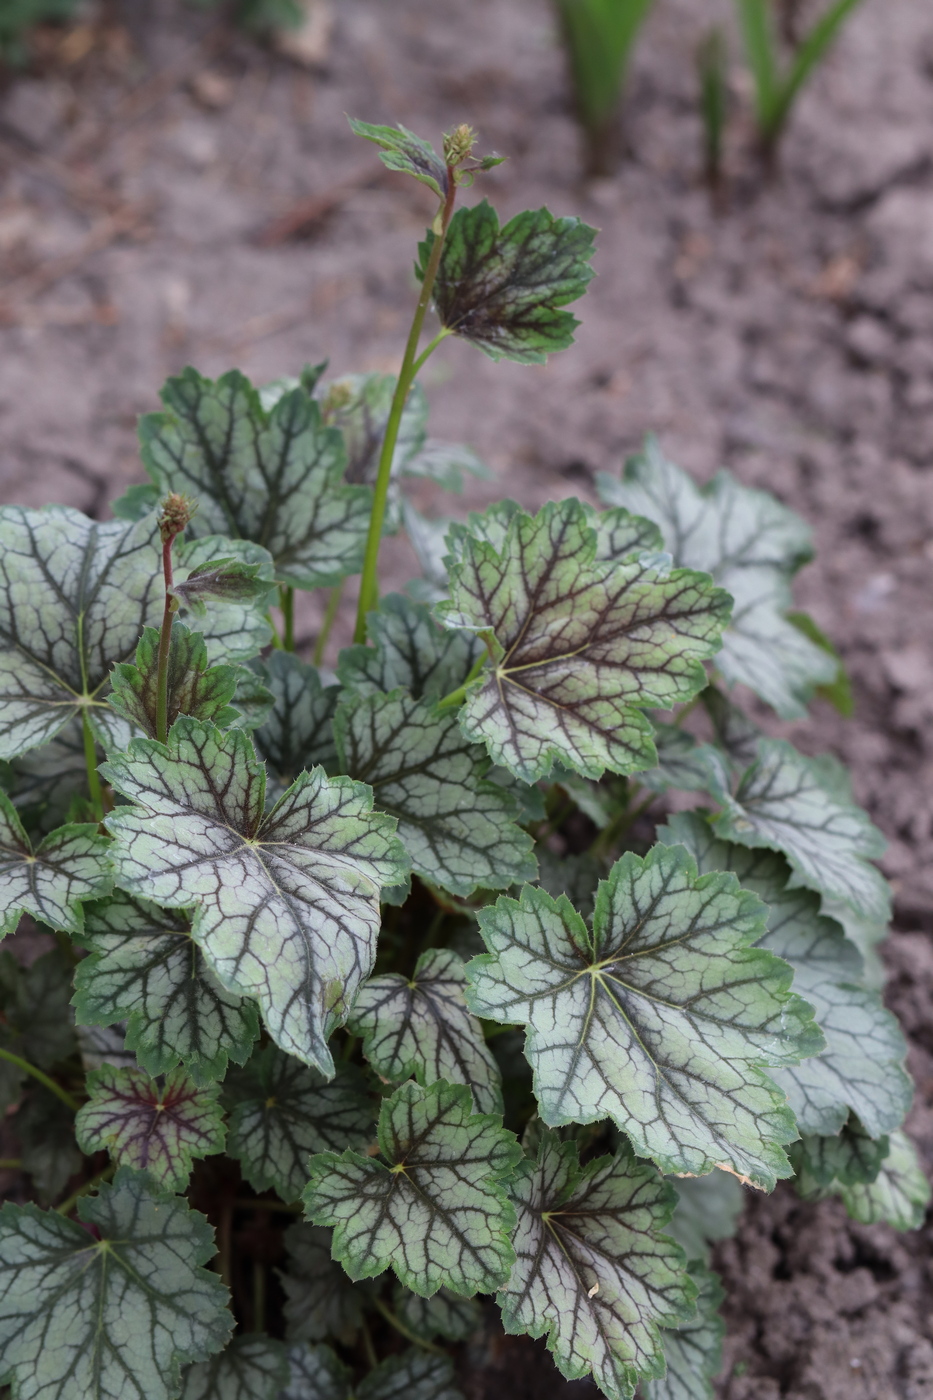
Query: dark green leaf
point(900, 1193)
point(283, 1111)
point(157, 1129)
point(287, 901)
point(251, 1368)
point(849, 1158)
point(144, 965)
point(460, 831)
point(37, 1021)
point(320, 1301)
point(444, 1315)
point(420, 1027)
point(503, 288)
point(579, 646)
point(408, 649)
point(401, 149)
point(662, 1017)
point(435, 1208)
point(837, 692)
point(274, 478)
point(298, 734)
point(316, 1374)
point(115, 1315)
point(45, 1128)
point(593, 1273)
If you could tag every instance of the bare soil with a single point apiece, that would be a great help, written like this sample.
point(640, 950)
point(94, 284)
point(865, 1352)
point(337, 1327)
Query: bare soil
point(787, 336)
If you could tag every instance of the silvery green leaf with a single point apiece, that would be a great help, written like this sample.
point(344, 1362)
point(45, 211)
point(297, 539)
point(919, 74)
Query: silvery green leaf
point(52, 880)
point(145, 967)
point(593, 1273)
point(850, 1158)
point(155, 1128)
point(427, 536)
point(283, 1111)
point(298, 733)
point(900, 1193)
point(683, 763)
point(434, 1208)
point(662, 1017)
point(45, 1130)
point(579, 645)
point(460, 831)
point(234, 624)
point(693, 1351)
point(37, 1022)
point(194, 688)
point(620, 534)
point(359, 405)
point(103, 1045)
point(866, 933)
point(287, 901)
point(575, 876)
point(503, 288)
point(401, 149)
point(408, 649)
point(444, 1315)
point(708, 1209)
point(250, 1368)
point(275, 389)
point(861, 1067)
point(46, 781)
point(420, 1027)
point(317, 1374)
point(320, 1301)
point(110, 1316)
point(446, 463)
point(274, 478)
point(783, 804)
point(91, 589)
point(752, 545)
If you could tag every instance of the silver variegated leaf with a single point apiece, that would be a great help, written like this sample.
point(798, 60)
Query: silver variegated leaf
point(315, 1373)
point(109, 1313)
point(250, 1368)
point(444, 1315)
point(419, 1026)
point(693, 1351)
point(299, 731)
point(434, 1208)
point(53, 880)
point(708, 1209)
point(751, 545)
point(410, 650)
point(898, 1196)
point(593, 1273)
point(320, 1301)
point(460, 831)
point(663, 1016)
point(861, 1068)
point(283, 1111)
point(580, 646)
point(144, 967)
point(287, 901)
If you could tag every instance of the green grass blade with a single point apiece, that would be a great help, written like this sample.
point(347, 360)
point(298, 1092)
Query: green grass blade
point(811, 52)
point(759, 39)
point(599, 35)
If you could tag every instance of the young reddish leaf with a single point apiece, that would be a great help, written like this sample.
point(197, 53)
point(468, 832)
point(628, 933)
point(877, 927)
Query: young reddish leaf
point(158, 1129)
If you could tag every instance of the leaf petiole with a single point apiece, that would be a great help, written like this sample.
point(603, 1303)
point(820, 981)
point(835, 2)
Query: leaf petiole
point(405, 1331)
point(90, 758)
point(42, 1077)
point(176, 513)
point(457, 697)
point(287, 604)
point(369, 581)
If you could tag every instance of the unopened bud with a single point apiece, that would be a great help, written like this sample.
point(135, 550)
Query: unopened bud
point(176, 513)
point(458, 144)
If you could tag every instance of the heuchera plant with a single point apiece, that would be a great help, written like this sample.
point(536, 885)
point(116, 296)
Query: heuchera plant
point(402, 940)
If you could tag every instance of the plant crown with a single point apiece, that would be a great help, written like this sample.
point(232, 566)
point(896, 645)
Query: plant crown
point(401, 955)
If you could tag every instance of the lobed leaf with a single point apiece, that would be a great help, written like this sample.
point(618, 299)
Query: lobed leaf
point(593, 1274)
point(851, 1158)
point(693, 1351)
point(36, 1021)
point(420, 1027)
point(435, 1210)
point(503, 289)
point(111, 1311)
point(274, 478)
point(752, 546)
point(145, 967)
point(45, 1130)
point(407, 649)
point(298, 733)
point(317, 1374)
point(443, 1315)
point(283, 1111)
point(153, 1128)
point(51, 881)
point(579, 645)
point(460, 831)
point(287, 901)
point(250, 1368)
point(662, 1017)
point(898, 1196)
point(74, 597)
point(783, 803)
point(861, 1067)
point(320, 1301)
